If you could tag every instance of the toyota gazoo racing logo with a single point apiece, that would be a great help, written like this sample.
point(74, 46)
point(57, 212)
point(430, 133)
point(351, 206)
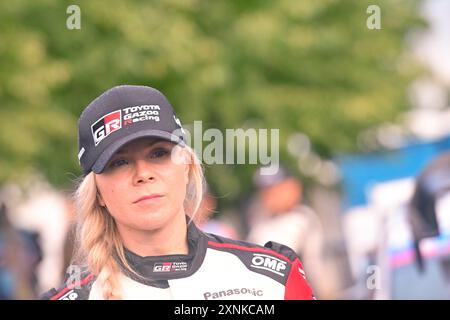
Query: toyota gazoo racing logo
point(104, 126)
point(170, 266)
point(269, 263)
point(141, 113)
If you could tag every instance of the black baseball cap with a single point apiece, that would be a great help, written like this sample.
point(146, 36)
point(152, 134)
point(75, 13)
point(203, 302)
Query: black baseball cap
point(120, 115)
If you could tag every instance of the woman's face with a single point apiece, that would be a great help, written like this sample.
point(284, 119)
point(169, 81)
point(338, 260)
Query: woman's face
point(142, 187)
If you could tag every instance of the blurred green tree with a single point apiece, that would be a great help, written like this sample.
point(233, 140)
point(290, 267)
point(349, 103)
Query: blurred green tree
point(308, 66)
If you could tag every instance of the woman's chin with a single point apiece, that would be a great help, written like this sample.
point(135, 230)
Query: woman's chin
point(152, 220)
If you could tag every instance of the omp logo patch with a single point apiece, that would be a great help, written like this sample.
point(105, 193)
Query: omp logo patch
point(71, 295)
point(269, 263)
point(106, 125)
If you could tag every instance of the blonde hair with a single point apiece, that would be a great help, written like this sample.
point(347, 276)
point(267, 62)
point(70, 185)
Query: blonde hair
point(98, 240)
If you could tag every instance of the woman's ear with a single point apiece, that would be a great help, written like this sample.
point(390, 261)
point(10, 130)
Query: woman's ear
point(100, 200)
point(187, 157)
point(187, 168)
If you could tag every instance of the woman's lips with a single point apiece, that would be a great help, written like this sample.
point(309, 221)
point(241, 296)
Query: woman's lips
point(148, 199)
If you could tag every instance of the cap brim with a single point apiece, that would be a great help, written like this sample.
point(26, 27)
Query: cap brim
point(107, 154)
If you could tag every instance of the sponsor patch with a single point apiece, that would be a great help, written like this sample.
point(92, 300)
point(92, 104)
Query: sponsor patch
point(232, 292)
point(169, 266)
point(106, 125)
point(140, 113)
point(71, 295)
point(269, 263)
point(115, 120)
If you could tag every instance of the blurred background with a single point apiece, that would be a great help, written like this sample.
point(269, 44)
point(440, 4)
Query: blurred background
point(363, 114)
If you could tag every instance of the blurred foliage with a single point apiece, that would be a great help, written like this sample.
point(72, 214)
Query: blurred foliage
point(308, 66)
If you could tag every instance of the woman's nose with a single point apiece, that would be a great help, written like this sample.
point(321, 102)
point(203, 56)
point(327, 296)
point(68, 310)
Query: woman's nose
point(143, 172)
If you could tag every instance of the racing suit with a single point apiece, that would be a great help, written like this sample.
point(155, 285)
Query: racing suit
point(215, 268)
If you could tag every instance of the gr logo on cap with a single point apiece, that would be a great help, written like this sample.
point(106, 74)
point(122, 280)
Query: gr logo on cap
point(120, 115)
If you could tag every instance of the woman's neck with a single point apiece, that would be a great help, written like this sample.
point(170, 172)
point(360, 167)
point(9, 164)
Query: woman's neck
point(167, 240)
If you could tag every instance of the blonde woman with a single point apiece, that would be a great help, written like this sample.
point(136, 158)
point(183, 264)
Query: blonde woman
point(141, 189)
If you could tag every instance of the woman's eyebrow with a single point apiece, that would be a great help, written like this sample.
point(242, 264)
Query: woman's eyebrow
point(150, 144)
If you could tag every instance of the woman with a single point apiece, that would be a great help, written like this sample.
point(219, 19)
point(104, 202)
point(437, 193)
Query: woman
point(141, 189)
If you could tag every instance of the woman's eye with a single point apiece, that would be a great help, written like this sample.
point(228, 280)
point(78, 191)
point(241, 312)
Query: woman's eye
point(118, 162)
point(159, 153)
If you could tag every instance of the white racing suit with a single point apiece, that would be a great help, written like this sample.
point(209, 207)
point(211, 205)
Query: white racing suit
point(215, 268)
